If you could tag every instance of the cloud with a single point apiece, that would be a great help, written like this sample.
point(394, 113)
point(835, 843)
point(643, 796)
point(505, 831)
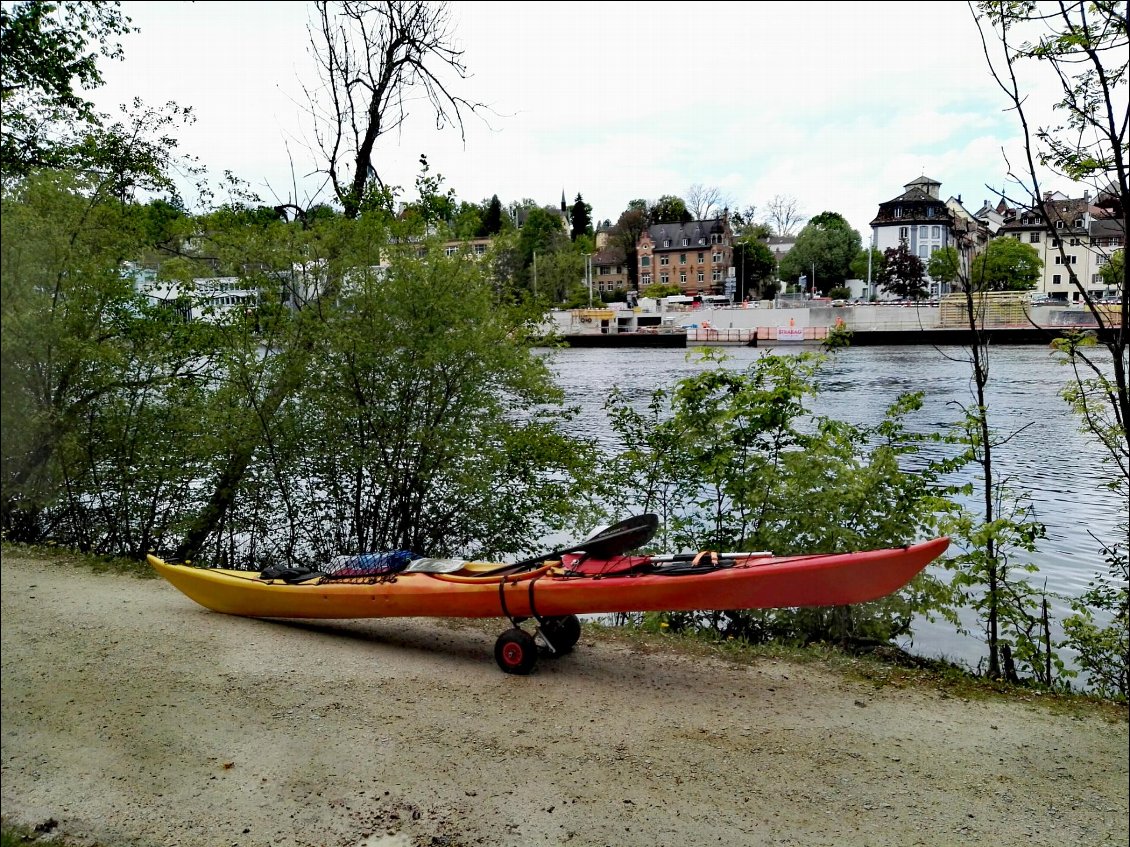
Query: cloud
point(838, 105)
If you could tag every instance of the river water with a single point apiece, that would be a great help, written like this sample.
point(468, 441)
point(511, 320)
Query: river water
point(1048, 456)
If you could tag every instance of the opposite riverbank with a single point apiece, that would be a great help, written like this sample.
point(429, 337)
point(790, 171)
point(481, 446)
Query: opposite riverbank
point(134, 717)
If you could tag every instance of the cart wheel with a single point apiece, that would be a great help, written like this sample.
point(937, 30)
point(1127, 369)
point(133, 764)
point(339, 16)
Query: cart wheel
point(563, 633)
point(516, 651)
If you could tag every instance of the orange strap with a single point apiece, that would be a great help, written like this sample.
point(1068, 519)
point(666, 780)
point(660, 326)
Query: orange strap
point(697, 560)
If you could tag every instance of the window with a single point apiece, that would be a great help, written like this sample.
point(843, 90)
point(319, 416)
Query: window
point(1065, 260)
point(667, 243)
point(645, 261)
point(701, 257)
point(930, 212)
point(716, 276)
point(686, 242)
point(1057, 279)
point(701, 277)
point(702, 241)
point(1034, 237)
point(645, 279)
point(1074, 242)
point(923, 251)
point(682, 277)
point(664, 260)
point(898, 211)
point(1055, 242)
point(716, 258)
point(923, 232)
point(1078, 223)
point(664, 279)
point(682, 258)
point(1059, 224)
point(715, 239)
point(904, 233)
point(480, 249)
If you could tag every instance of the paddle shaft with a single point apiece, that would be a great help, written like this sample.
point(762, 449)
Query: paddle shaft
point(688, 557)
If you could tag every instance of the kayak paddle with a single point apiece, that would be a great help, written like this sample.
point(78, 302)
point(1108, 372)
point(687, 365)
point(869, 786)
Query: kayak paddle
point(611, 541)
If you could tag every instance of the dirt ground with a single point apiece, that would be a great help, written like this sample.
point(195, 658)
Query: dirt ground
point(132, 716)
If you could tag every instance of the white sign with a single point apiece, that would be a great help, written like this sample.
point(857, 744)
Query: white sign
point(790, 333)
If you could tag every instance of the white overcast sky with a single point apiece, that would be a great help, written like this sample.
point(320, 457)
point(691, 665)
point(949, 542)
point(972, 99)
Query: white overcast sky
point(836, 104)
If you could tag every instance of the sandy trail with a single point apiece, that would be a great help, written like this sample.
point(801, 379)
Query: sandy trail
point(131, 716)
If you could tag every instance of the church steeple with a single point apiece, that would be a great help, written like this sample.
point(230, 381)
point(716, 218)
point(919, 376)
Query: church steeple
point(564, 208)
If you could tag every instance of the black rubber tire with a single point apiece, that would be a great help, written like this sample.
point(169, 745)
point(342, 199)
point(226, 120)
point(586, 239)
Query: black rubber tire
point(563, 633)
point(516, 651)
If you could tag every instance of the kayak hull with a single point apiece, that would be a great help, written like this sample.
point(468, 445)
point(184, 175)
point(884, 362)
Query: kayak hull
point(757, 582)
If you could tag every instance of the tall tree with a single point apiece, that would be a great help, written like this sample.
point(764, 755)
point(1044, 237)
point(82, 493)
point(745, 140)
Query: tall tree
point(745, 221)
point(580, 218)
point(902, 273)
point(783, 214)
point(374, 59)
point(706, 202)
point(492, 218)
point(1007, 264)
point(631, 224)
point(944, 265)
point(754, 264)
point(669, 209)
point(1081, 49)
point(825, 247)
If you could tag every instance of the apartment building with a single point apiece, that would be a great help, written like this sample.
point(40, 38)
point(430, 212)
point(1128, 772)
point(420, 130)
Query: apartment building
point(697, 256)
point(610, 270)
point(1076, 237)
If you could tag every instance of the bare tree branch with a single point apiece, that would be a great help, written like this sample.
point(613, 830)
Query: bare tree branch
point(375, 60)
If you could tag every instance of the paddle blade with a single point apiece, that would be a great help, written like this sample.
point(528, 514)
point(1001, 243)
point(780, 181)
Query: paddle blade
point(621, 537)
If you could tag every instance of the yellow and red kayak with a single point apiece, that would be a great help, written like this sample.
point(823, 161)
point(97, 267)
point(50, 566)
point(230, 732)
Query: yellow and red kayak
point(627, 584)
point(554, 591)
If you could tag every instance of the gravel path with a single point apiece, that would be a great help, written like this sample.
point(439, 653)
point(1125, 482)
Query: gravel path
point(131, 716)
